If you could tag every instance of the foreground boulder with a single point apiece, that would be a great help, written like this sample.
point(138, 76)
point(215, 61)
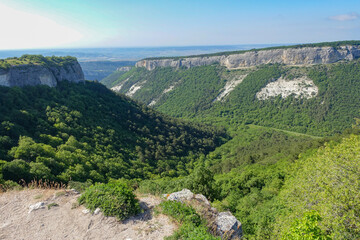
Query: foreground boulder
point(222, 224)
point(227, 225)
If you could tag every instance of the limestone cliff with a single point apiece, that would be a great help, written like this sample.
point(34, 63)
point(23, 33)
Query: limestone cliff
point(287, 56)
point(31, 74)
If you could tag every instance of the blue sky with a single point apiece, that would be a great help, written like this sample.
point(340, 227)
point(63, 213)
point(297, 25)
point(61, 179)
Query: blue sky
point(130, 23)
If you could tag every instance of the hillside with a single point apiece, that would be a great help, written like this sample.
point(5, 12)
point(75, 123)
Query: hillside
point(318, 99)
point(258, 165)
point(87, 132)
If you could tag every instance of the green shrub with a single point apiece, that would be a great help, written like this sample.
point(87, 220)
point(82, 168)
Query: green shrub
point(307, 228)
point(114, 199)
point(9, 185)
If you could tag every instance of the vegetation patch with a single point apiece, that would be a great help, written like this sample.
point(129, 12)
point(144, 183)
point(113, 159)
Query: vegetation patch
point(114, 199)
point(36, 60)
point(192, 225)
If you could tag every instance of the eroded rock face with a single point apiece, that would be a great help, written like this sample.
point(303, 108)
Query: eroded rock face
point(289, 56)
point(299, 87)
point(222, 224)
point(31, 75)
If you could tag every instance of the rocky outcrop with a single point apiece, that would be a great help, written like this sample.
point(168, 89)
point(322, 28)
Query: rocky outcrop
point(222, 224)
point(31, 75)
point(288, 56)
point(302, 87)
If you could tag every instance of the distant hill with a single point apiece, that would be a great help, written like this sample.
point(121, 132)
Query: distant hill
point(320, 99)
point(98, 70)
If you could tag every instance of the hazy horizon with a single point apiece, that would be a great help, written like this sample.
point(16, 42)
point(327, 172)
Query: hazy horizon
point(37, 24)
point(130, 53)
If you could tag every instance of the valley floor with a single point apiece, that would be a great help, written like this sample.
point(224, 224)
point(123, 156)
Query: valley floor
point(67, 220)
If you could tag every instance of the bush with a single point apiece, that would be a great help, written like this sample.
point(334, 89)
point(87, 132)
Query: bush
point(114, 199)
point(16, 170)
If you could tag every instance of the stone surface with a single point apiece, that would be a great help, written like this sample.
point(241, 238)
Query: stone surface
point(288, 56)
point(299, 87)
point(227, 226)
point(31, 75)
point(202, 198)
point(181, 196)
point(229, 87)
point(36, 206)
point(222, 224)
point(97, 211)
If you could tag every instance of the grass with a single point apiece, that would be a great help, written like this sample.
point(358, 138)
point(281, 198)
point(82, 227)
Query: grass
point(192, 225)
point(52, 205)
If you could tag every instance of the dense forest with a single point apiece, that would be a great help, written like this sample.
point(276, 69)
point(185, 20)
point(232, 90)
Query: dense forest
point(86, 132)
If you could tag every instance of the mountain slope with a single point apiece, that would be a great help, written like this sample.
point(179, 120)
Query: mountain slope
point(85, 131)
point(317, 99)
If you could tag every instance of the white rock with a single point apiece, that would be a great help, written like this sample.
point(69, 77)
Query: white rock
point(183, 195)
point(36, 206)
point(228, 226)
point(85, 211)
point(299, 87)
point(202, 198)
point(229, 86)
point(97, 211)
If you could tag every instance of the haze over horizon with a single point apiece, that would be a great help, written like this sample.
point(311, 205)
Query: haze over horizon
point(110, 23)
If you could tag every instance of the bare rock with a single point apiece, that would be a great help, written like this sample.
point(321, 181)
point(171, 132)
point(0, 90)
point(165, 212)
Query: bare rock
point(287, 56)
point(97, 211)
point(181, 196)
point(227, 226)
point(202, 198)
point(32, 75)
point(85, 211)
point(36, 206)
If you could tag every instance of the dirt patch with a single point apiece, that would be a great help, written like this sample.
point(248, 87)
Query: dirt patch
point(64, 219)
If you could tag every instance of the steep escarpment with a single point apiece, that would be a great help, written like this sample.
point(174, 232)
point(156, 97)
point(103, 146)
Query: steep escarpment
point(38, 70)
point(287, 56)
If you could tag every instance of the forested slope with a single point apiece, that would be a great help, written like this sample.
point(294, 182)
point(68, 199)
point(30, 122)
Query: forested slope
point(85, 131)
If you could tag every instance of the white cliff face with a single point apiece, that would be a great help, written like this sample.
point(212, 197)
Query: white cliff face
point(299, 87)
point(31, 75)
point(134, 88)
point(169, 89)
point(288, 56)
point(229, 87)
point(154, 101)
point(118, 87)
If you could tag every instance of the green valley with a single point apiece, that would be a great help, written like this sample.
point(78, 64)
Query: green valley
point(277, 145)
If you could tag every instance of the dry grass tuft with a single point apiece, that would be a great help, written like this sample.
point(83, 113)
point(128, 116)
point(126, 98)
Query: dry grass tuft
point(43, 184)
